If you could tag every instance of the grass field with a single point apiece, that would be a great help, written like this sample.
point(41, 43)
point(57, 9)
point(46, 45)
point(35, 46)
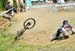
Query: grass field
point(38, 38)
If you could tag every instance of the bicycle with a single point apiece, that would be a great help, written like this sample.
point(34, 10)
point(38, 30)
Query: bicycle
point(28, 24)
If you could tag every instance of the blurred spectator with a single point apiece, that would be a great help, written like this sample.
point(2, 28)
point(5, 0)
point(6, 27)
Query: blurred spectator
point(20, 5)
point(11, 2)
point(9, 6)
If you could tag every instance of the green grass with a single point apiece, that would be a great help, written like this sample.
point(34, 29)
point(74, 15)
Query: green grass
point(6, 43)
point(7, 39)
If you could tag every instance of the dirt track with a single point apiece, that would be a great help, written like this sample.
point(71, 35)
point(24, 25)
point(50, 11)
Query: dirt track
point(47, 23)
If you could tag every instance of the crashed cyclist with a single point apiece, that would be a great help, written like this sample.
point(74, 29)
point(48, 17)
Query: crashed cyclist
point(63, 30)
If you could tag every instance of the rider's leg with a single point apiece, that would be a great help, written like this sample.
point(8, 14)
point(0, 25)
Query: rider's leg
point(57, 34)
